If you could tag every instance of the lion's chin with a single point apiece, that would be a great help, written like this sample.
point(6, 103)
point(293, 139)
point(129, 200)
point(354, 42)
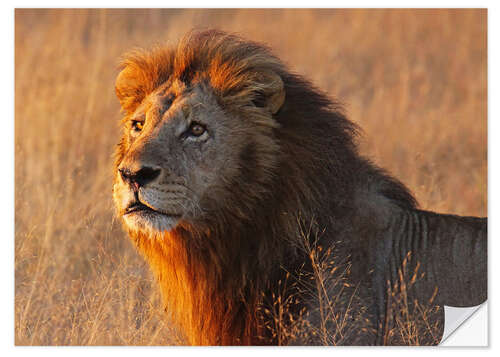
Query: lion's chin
point(150, 222)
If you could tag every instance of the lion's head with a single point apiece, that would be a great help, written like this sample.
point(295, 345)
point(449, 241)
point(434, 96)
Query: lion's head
point(198, 132)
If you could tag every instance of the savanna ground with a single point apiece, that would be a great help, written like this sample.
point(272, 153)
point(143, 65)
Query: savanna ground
point(414, 80)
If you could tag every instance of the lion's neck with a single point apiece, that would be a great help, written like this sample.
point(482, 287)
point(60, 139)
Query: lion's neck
point(212, 298)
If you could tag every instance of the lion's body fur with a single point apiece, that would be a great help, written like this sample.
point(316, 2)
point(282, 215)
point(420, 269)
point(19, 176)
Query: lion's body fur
point(216, 274)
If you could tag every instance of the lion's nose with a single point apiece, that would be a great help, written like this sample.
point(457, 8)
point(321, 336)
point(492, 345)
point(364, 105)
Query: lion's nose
point(141, 177)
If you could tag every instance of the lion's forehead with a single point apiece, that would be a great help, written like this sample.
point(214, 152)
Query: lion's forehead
point(176, 95)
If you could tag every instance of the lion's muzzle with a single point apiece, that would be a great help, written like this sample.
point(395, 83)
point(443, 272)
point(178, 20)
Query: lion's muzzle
point(148, 198)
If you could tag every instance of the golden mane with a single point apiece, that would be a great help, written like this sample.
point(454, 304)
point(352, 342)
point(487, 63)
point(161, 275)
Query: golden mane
point(231, 66)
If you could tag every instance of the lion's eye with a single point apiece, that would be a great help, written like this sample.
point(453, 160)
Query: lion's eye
point(137, 125)
point(196, 129)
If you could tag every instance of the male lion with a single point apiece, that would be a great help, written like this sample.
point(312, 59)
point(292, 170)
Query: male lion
point(241, 185)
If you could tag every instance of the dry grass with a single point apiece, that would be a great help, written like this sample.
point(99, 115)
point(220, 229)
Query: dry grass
point(341, 317)
point(415, 81)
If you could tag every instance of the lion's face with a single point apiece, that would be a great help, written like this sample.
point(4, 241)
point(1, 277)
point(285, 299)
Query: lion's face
point(182, 157)
point(170, 156)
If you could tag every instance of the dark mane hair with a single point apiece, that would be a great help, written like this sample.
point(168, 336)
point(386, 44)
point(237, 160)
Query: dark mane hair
point(215, 275)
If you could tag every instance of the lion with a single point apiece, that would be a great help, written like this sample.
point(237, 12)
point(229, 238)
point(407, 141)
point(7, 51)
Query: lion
point(233, 174)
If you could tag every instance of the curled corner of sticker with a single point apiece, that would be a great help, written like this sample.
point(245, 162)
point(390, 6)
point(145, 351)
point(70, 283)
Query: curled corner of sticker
point(465, 326)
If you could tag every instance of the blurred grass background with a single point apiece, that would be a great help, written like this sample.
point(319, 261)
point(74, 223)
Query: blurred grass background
point(414, 80)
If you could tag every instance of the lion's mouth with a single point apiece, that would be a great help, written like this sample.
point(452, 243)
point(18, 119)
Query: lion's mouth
point(139, 207)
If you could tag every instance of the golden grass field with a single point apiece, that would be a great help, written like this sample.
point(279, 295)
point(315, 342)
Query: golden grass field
point(414, 80)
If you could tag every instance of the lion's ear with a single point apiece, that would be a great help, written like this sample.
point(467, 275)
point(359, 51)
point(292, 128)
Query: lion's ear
point(128, 88)
point(271, 93)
